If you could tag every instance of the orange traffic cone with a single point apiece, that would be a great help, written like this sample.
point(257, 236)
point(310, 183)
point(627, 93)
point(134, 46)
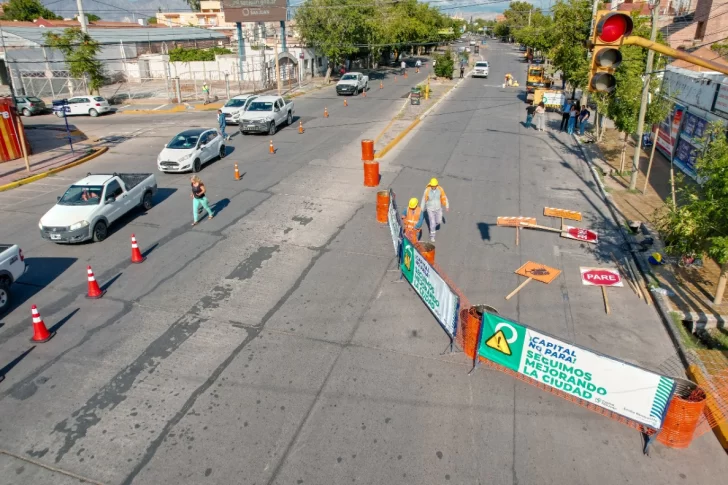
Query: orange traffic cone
point(300, 127)
point(345, 103)
point(136, 255)
point(395, 78)
point(364, 93)
point(237, 172)
point(93, 286)
point(381, 85)
point(40, 332)
point(326, 112)
point(271, 149)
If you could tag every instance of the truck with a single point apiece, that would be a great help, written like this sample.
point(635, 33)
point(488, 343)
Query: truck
point(265, 114)
point(352, 83)
point(536, 78)
point(88, 207)
point(12, 267)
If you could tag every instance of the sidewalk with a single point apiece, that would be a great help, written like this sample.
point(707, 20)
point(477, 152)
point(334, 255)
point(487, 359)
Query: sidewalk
point(53, 154)
point(689, 291)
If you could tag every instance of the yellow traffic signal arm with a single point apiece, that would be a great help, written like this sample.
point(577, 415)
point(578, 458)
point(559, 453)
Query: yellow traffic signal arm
point(669, 51)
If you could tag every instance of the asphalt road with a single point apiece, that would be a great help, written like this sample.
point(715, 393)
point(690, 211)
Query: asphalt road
point(275, 344)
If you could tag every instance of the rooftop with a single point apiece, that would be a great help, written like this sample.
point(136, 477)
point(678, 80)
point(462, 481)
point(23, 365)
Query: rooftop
point(704, 52)
point(117, 35)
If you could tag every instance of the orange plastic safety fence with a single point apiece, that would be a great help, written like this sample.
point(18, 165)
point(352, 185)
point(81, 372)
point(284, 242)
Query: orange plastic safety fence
point(682, 418)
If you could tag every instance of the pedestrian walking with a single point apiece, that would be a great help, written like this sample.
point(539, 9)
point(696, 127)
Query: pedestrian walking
point(462, 69)
point(404, 67)
point(565, 108)
point(222, 123)
point(412, 218)
point(584, 116)
point(530, 111)
point(434, 63)
point(206, 92)
point(540, 115)
point(418, 63)
point(572, 119)
point(199, 198)
point(433, 201)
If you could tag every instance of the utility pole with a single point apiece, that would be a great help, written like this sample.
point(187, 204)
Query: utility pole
point(529, 17)
point(81, 16)
point(655, 6)
point(241, 49)
point(278, 69)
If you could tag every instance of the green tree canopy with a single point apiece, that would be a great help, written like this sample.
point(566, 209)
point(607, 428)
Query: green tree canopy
point(80, 51)
point(27, 10)
point(92, 17)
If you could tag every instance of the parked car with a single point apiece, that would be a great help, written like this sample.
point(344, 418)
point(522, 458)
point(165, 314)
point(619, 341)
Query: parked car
point(190, 150)
point(235, 106)
point(265, 114)
point(84, 105)
point(91, 205)
point(472, 42)
point(30, 105)
point(12, 267)
point(481, 69)
point(352, 83)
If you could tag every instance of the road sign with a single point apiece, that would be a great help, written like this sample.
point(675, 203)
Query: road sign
point(611, 384)
point(601, 277)
point(586, 235)
point(515, 221)
point(562, 213)
point(534, 271)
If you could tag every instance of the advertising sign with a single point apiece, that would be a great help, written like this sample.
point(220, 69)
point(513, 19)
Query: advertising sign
point(600, 277)
point(586, 235)
point(625, 389)
point(669, 131)
point(254, 10)
point(433, 290)
point(553, 98)
point(395, 224)
point(685, 157)
point(721, 102)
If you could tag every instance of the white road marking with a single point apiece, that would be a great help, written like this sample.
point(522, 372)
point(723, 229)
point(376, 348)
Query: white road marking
point(160, 107)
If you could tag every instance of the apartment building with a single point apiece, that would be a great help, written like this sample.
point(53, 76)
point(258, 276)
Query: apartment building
point(210, 16)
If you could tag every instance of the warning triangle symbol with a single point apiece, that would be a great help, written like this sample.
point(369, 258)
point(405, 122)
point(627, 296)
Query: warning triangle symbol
point(498, 342)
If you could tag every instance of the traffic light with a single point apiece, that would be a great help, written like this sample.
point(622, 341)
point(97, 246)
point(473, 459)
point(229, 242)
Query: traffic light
point(610, 28)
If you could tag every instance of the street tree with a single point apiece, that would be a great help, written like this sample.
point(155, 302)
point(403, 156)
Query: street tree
point(80, 51)
point(699, 225)
point(92, 17)
point(570, 31)
point(193, 4)
point(337, 28)
point(27, 10)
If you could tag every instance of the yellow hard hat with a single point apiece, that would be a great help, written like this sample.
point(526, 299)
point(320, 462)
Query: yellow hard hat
point(657, 256)
point(433, 183)
point(412, 203)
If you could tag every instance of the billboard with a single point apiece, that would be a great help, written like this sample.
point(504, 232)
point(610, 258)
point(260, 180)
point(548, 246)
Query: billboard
point(625, 389)
point(254, 10)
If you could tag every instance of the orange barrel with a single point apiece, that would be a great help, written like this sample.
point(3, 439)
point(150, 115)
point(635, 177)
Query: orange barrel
point(10, 148)
point(382, 206)
point(470, 320)
point(371, 174)
point(427, 250)
point(683, 415)
point(367, 150)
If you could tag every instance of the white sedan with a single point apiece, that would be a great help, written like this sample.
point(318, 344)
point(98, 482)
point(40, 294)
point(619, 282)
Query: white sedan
point(85, 105)
point(235, 107)
point(191, 149)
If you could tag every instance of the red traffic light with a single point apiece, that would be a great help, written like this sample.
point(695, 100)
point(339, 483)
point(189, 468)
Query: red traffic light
point(614, 26)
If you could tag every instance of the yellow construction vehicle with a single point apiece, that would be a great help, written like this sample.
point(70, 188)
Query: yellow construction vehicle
point(536, 78)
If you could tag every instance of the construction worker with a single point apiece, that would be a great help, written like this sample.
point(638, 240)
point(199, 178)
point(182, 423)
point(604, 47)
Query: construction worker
point(206, 92)
point(433, 201)
point(412, 218)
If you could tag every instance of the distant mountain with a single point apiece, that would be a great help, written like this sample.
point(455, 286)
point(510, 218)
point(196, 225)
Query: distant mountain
point(118, 10)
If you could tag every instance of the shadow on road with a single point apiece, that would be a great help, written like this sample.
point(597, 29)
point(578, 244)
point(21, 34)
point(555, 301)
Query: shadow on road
point(40, 273)
point(63, 321)
point(484, 229)
point(4, 371)
point(218, 206)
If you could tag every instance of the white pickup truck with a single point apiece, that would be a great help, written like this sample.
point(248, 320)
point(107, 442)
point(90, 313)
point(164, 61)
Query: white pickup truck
point(92, 204)
point(352, 83)
point(12, 267)
point(265, 114)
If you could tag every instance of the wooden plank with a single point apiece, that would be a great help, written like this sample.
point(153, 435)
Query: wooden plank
point(562, 213)
point(514, 221)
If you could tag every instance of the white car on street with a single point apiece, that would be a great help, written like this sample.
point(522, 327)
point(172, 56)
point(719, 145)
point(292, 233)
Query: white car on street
point(352, 83)
point(85, 105)
point(191, 149)
point(235, 107)
point(481, 69)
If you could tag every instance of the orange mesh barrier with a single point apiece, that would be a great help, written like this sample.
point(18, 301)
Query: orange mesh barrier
point(683, 415)
point(427, 251)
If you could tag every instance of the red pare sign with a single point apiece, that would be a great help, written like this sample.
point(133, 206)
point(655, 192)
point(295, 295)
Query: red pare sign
point(600, 277)
point(580, 234)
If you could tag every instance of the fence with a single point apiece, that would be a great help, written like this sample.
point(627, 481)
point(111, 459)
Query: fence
point(140, 83)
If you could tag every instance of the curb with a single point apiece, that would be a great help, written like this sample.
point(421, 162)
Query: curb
point(713, 407)
point(661, 304)
point(389, 146)
point(391, 122)
point(52, 171)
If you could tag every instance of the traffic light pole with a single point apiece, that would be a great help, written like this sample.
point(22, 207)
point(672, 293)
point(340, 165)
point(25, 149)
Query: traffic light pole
point(643, 104)
point(669, 51)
